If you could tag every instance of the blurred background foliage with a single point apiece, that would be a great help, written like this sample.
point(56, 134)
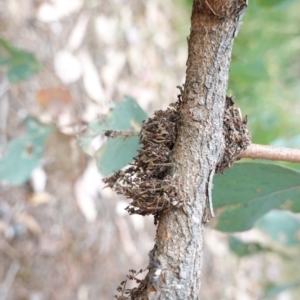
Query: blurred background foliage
point(264, 80)
point(265, 70)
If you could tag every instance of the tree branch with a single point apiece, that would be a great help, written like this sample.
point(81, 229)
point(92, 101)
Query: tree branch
point(175, 261)
point(255, 151)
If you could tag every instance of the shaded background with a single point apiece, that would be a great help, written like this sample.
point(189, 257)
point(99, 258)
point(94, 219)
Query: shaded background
point(62, 236)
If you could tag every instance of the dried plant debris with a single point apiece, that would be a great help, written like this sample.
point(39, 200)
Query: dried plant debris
point(236, 134)
point(126, 294)
point(149, 181)
point(147, 283)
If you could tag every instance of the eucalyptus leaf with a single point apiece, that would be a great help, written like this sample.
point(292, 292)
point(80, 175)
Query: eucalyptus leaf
point(281, 226)
point(22, 67)
point(248, 191)
point(20, 64)
point(116, 154)
point(274, 290)
point(127, 116)
point(21, 155)
point(244, 249)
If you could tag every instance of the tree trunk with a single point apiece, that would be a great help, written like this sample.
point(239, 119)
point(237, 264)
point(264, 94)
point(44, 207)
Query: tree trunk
point(175, 261)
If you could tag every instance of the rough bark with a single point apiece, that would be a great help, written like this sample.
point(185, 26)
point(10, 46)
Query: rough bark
point(175, 261)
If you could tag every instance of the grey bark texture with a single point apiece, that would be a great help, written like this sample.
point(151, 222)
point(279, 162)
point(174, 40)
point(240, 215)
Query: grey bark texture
point(175, 261)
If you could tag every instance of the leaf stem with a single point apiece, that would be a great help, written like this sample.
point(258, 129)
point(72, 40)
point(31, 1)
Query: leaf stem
point(255, 151)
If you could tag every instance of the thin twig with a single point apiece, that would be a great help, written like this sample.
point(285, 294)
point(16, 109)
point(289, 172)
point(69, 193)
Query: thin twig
point(255, 151)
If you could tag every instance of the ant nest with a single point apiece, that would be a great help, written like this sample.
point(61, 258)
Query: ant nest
point(149, 181)
point(236, 135)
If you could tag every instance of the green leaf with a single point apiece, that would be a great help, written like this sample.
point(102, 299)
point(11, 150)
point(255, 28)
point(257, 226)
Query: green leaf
point(21, 155)
point(248, 191)
point(21, 65)
point(281, 226)
point(119, 152)
point(263, 69)
point(274, 290)
point(116, 154)
point(128, 115)
point(244, 249)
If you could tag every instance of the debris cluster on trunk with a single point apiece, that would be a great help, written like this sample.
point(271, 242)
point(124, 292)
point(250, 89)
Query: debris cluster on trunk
point(127, 294)
point(148, 181)
point(236, 134)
